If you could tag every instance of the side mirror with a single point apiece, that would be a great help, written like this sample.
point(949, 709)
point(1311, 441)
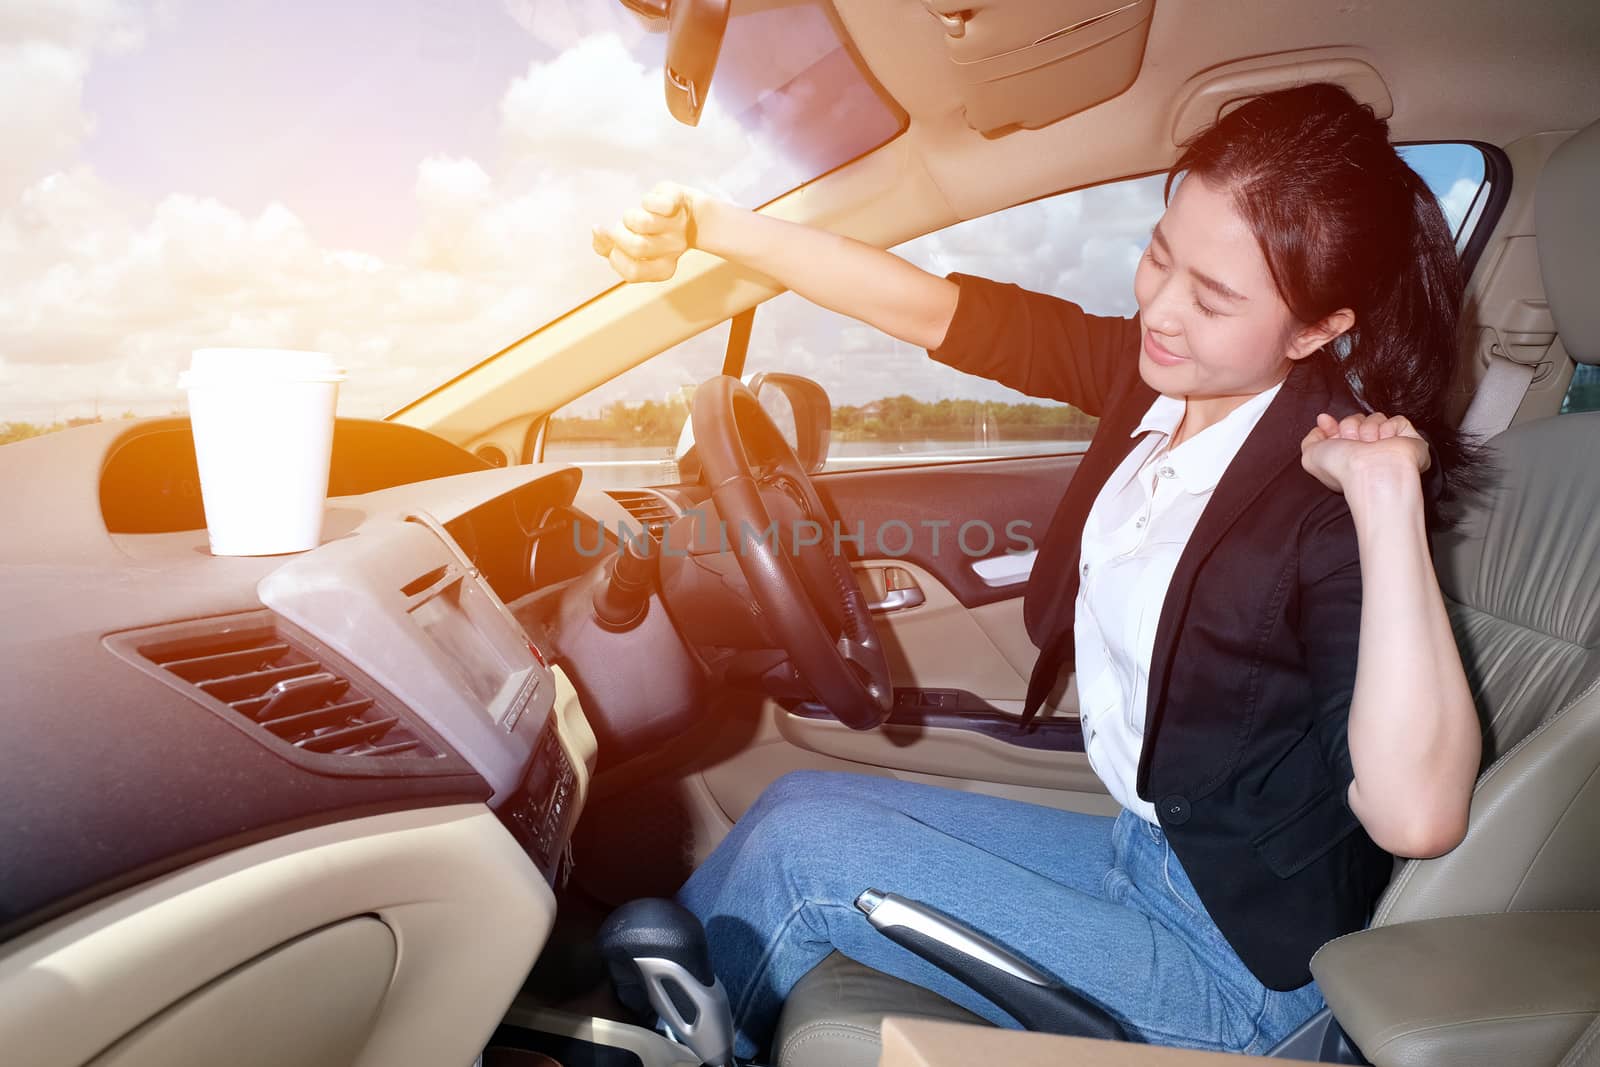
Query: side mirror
point(801, 410)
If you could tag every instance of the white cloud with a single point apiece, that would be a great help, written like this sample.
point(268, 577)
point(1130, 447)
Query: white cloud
point(560, 26)
point(46, 47)
point(1083, 246)
point(113, 307)
point(48, 128)
point(104, 296)
point(594, 110)
point(1458, 201)
point(76, 24)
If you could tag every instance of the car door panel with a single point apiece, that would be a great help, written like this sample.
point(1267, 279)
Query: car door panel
point(916, 514)
point(958, 635)
point(942, 644)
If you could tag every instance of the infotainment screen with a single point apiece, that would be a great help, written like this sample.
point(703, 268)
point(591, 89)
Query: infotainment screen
point(491, 660)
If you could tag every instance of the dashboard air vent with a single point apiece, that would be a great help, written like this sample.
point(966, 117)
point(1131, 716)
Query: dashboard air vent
point(651, 510)
point(277, 685)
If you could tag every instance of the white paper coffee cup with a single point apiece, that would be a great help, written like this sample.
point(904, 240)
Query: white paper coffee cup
point(263, 435)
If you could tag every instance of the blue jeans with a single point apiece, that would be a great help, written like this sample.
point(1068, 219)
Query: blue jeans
point(1100, 902)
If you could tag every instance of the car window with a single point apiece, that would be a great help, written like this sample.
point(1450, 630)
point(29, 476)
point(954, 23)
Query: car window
point(1456, 174)
point(625, 432)
point(893, 405)
point(1583, 392)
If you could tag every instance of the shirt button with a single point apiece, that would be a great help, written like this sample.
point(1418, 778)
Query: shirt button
point(1140, 522)
point(1085, 568)
point(1168, 472)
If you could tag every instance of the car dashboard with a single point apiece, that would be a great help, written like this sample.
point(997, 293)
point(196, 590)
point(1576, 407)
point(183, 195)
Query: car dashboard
point(166, 708)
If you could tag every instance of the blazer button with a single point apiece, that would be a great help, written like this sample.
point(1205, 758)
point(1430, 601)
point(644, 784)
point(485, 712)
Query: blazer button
point(1173, 810)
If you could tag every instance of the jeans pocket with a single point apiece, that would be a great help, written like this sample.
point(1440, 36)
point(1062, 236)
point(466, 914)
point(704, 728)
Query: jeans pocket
point(1197, 923)
point(1181, 893)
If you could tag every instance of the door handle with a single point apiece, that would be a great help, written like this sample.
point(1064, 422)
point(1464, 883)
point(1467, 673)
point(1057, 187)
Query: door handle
point(897, 600)
point(889, 589)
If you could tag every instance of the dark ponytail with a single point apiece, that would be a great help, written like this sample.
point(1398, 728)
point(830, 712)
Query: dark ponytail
point(1345, 223)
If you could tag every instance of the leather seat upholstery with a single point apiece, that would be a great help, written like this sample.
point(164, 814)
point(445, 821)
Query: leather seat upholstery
point(1518, 575)
point(1523, 592)
point(832, 1016)
point(1521, 579)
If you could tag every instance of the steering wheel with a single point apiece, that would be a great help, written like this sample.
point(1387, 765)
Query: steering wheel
point(808, 598)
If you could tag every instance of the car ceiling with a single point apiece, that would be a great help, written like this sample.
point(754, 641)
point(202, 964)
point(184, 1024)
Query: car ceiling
point(1485, 70)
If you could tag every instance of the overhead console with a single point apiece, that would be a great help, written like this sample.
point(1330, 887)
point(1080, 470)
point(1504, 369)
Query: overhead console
point(1029, 65)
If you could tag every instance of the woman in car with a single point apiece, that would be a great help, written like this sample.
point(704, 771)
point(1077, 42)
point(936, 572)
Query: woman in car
point(1277, 407)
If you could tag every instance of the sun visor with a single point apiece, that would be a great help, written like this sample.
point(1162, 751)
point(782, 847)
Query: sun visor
point(1023, 64)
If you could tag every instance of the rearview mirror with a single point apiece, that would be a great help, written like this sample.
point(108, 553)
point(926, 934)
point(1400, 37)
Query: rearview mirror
point(802, 412)
point(694, 38)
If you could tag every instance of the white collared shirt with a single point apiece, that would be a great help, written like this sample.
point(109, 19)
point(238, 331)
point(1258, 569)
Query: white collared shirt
point(1138, 527)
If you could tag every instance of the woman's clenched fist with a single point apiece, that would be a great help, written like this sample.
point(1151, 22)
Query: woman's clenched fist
point(646, 244)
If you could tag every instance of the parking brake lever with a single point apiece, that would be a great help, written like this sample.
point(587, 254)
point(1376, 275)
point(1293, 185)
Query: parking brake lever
point(1035, 999)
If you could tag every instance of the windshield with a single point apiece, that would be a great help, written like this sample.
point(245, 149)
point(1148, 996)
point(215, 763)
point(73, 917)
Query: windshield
point(406, 185)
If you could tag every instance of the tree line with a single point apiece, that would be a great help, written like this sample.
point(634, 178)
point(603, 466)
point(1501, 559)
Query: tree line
point(894, 418)
point(903, 417)
point(21, 431)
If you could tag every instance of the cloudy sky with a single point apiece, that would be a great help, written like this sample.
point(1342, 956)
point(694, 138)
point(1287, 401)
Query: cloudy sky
point(406, 184)
point(409, 185)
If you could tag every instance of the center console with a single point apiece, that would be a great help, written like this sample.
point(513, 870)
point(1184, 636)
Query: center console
point(404, 605)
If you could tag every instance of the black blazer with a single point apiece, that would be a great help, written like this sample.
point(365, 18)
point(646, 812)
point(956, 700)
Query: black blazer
point(1245, 754)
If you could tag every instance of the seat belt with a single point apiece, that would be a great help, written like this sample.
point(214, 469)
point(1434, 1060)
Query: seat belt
point(1495, 402)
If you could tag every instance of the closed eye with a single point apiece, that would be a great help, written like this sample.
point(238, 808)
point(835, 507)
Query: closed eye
point(1208, 312)
point(1210, 283)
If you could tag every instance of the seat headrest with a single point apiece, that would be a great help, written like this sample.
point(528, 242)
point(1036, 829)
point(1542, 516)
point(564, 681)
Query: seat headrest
point(1567, 222)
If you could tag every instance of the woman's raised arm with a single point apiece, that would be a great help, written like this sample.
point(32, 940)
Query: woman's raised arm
point(838, 273)
point(1415, 740)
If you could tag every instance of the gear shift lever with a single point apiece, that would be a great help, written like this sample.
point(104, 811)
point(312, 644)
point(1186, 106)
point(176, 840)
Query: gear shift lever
point(661, 944)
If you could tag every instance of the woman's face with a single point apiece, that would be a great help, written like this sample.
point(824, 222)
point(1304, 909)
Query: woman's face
point(1213, 323)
